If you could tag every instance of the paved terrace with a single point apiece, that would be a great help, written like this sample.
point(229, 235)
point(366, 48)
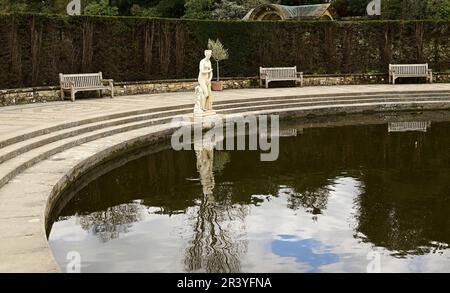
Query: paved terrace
point(36, 164)
point(15, 120)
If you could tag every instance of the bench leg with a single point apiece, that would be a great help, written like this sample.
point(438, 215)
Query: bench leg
point(267, 84)
point(393, 80)
point(112, 92)
point(72, 95)
point(62, 94)
point(260, 82)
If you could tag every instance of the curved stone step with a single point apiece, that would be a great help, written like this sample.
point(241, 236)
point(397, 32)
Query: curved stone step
point(15, 149)
point(338, 96)
point(19, 156)
point(10, 151)
point(76, 123)
point(18, 164)
point(295, 104)
point(287, 100)
point(42, 131)
point(297, 111)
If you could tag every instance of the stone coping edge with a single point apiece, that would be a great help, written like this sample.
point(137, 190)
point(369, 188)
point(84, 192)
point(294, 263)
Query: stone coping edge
point(168, 81)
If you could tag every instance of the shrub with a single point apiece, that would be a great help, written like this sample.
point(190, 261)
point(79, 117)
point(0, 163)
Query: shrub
point(219, 53)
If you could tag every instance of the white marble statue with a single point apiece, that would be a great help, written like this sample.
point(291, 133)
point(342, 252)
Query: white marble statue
point(203, 90)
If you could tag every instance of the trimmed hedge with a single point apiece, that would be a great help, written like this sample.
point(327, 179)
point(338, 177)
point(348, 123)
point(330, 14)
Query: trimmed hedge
point(34, 49)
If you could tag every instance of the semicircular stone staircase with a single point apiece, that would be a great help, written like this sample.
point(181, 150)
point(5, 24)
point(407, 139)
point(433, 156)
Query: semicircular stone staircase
point(58, 142)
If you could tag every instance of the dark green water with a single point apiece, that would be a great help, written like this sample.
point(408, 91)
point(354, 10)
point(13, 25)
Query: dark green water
point(334, 195)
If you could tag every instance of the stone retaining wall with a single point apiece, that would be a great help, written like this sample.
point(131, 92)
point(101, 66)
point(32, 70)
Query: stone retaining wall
point(167, 86)
point(48, 94)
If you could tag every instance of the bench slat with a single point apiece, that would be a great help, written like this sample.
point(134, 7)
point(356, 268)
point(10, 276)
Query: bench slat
point(83, 82)
point(279, 73)
point(409, 70)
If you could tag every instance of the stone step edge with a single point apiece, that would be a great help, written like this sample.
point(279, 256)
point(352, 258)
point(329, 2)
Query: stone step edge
point(76, 123)
point(338, 95)
point(327, 104)
point(17, 149)
point(90, 137)
point(331, 99)
point(344, 109)
point(27, 147)
point(84, 121)
point(37, 155)
point(13, 150)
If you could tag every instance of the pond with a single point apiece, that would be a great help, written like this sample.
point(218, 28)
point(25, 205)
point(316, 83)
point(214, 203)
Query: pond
point(341, 197)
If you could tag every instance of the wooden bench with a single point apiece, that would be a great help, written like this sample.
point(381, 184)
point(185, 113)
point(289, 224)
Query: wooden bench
point(409, 70)
point(279, 74)
point(84, 82)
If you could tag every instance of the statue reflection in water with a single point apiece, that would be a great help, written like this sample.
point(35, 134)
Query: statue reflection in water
point(218, 242)
point(205, 164)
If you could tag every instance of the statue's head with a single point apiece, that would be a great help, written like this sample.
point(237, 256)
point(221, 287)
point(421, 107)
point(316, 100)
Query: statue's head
point(208, 54)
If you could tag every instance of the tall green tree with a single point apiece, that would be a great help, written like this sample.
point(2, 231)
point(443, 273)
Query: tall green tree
point(100, 7)
point(124, 6)
point(34, 6)
point(403, 9)
point(438, 9)
point(345, 8)
point(234, 9)
point(415, 9)
point(397, 9)
point(171, 8)
point(165, 8)
point(198, 9)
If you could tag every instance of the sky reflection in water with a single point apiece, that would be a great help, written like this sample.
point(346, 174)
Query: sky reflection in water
point(334, 195)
